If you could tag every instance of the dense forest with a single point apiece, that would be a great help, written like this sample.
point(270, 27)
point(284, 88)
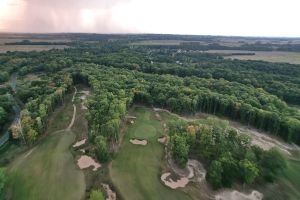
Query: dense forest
point(180, 78)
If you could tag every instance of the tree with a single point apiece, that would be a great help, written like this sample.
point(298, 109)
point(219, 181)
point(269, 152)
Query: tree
point(249, 171)
point(214, 175)
point(3, 180)
point(96, 195)
point(31, 136)
point(3, 116)
point(273, 163)
point(180, 149)
point(101, 148)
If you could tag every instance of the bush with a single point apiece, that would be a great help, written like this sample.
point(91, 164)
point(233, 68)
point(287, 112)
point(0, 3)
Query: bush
point(101, 149)
point(96, 195)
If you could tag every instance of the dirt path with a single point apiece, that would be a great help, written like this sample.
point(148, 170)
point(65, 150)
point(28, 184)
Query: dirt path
point(74, 111)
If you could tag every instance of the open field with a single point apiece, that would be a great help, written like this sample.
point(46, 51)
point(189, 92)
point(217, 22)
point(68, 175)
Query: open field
point(6, 48)
point(11, 38)
point(136, 170)
point(270, 56)
point(48, 171)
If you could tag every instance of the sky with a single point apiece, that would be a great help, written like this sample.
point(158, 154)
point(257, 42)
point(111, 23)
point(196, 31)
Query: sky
point(198, 17)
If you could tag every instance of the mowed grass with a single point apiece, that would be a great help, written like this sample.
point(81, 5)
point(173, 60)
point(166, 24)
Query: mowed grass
point(136, 169)
point(48, 171)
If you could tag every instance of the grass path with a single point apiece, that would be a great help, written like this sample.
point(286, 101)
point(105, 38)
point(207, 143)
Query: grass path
point(48, 171)
point(136, 170)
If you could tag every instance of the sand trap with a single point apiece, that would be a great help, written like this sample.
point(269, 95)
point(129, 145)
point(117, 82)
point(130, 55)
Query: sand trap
point(79, 143)
point(236, 195)
point(194, 170)
point(86, 161)
point(162, 140)
point(139, 142)
point(264, 141)
point(181, 183)
point(83, 99)
point(111, 195)
point(82, 150)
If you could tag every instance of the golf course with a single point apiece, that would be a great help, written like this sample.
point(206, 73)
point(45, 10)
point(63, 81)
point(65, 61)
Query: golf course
point(48, 170)
point(137, 169)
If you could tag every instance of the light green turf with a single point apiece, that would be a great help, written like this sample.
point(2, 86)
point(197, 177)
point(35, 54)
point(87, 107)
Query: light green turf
point(48, 171)
point(136, 170)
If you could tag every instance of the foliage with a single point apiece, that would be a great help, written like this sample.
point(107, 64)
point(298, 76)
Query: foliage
point(3, 180)
point(180, 149)
point(101, 148)
point(96, 195)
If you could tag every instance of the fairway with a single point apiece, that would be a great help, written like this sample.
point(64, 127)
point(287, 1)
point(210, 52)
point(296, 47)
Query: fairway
point(136, 170)
point(48, 171)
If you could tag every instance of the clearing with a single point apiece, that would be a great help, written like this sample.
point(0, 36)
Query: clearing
point(136, 170)
point(270, 56)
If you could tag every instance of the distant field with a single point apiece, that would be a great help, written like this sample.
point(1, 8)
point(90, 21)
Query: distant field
point(158, 42)
point(6, 48)
point(11, 38)
point(270, 56)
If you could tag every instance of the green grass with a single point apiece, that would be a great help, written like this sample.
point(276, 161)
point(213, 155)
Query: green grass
point(287, 187)
point(136, 169)
point(48, 170)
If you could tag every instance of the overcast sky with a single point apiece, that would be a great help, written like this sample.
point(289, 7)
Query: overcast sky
point(201, 17)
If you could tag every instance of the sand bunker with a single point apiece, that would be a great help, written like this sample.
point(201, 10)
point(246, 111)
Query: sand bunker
point(139, 142)
point(82, 150)
point(111, 195)
point(83, 99)
point(79, 143)
point(236, 195)
point(194, 170)
point(264, 141)
point(180, 183)
point(86, 161)
point(162, 140)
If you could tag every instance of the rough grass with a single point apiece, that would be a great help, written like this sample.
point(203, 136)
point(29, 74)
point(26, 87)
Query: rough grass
point(48, 171)
point(136, 169)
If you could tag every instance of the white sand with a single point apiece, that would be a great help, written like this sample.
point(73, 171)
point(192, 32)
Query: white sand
point(181, 183)
point(264, 141)
point(138, 142)
point(162, 140)
point(79, 143)
point(194, 170)
point(111, 195)
point(86, 161)
point(236, 195)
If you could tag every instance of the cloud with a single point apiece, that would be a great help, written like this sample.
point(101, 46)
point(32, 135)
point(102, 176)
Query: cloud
point(215, 17)
point(64, 16)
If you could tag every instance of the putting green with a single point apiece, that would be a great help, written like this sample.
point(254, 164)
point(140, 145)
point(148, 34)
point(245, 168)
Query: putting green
point(136, 170)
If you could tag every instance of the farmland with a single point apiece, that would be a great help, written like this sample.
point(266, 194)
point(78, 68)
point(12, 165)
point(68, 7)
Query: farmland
point(269, 56)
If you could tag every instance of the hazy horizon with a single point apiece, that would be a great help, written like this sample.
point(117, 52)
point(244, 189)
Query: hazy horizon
point(254, 18)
